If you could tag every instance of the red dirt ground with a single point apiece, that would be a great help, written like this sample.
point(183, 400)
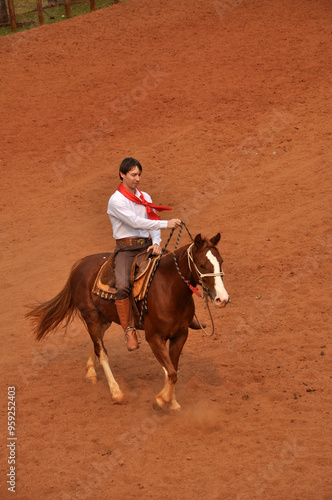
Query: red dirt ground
point(227, 106)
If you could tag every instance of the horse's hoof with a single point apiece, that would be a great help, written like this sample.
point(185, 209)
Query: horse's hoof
point(155, 406)
point(175, 408)
point(120, 400)
point(159, 404)
point(175, 411)
point(92, 380)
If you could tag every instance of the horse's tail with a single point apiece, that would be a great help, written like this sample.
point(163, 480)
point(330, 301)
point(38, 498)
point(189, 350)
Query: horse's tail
point(48, 315)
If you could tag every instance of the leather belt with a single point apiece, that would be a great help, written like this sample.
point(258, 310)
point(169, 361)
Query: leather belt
point(131, 241)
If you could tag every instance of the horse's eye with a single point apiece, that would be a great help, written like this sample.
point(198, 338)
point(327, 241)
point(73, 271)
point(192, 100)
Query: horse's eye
point(202, 267)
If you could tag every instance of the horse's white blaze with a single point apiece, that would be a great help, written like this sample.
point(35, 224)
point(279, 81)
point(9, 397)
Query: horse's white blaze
point(221, 292)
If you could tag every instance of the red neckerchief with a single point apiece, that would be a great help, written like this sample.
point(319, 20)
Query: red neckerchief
point(148, 205)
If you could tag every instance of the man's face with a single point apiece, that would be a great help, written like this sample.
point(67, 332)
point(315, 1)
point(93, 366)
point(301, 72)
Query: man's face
point(131, 179)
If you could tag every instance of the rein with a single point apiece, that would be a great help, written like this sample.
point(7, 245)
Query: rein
point(201, 276)
point(144, 308)
point(192, 288)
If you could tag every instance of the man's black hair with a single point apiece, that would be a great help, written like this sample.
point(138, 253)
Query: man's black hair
point(128, 164)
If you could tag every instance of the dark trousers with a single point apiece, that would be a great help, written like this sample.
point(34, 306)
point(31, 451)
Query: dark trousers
point(123, 261)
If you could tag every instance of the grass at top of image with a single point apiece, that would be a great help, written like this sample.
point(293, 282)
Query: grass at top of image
point(27, 15)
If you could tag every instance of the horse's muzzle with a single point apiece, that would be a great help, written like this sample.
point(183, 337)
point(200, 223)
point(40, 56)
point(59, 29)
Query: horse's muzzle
point(220, 302)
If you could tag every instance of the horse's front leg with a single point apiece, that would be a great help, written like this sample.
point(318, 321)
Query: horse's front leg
point(175, 348)
point(166, 395)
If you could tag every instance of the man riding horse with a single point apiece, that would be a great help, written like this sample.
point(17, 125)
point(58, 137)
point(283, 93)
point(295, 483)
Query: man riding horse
point(170, 303)
point(136, 227)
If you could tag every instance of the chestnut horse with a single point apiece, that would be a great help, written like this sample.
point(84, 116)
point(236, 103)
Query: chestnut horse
point(170, 309)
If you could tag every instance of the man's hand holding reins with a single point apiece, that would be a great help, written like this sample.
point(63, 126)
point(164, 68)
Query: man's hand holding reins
point(156, 249)
point(173, 223)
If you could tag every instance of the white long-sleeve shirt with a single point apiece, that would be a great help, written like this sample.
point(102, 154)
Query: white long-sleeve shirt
point(130, 220)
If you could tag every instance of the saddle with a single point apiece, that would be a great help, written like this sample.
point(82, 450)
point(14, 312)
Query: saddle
point(104, 285)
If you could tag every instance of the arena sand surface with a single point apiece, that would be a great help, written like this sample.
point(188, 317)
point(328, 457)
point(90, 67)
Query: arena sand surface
point(227, 106)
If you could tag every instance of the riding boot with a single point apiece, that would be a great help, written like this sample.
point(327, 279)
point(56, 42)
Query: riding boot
point(123, 310)
point(196, 325)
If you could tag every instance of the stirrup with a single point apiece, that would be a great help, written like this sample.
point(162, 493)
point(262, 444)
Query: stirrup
point(137, 333)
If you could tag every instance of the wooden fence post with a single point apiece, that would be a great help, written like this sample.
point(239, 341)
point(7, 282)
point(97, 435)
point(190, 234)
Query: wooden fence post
point(12, 15)
point(92, 5)
point(67, 8)
point(4, 17)
point(116, 1)
point(40, 11)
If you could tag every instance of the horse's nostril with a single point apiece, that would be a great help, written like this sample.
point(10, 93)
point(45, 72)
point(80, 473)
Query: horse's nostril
point(218, 302)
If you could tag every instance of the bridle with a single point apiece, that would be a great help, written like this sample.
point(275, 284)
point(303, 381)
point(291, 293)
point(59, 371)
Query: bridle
point(206, 290)
point(200, 275)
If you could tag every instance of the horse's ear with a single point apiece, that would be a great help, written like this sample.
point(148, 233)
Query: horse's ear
point(198, 241)
point(215, 240)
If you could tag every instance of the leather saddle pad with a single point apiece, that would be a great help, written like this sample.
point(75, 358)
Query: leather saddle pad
point(104, 285)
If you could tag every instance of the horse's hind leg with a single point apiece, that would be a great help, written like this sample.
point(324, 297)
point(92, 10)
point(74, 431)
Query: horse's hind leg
point(90, 366)
point(91, 374)
point(96, 330)
point(117, 394)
